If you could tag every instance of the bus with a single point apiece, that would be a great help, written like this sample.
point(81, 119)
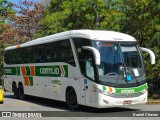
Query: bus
point(93, 68)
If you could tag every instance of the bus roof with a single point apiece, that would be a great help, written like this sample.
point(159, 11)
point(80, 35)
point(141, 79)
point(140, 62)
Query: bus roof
point(100, 35)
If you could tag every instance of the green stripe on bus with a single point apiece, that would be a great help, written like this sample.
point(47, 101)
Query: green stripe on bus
point(10, 71)
point(54, 71)
point(66, 70)
point(28, 71)
point(31, 81)
point(18, 70)
point(131, 90)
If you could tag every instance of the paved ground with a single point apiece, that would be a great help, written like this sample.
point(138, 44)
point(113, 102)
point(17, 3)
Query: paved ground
point(60, 110)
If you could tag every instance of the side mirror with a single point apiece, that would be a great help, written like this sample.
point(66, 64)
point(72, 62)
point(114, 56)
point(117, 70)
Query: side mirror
point(151, 53)
point(95, 52)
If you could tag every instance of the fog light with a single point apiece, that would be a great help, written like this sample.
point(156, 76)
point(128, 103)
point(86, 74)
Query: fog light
point(105, 101)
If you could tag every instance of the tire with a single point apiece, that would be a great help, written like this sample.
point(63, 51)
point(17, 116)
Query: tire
point(2, 102)
point(21, 92)
point(71, 99)
point(15, 90)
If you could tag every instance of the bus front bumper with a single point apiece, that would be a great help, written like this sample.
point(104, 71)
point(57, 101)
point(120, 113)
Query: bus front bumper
point(107, 101)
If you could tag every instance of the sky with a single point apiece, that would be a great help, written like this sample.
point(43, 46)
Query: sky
point(45, 2)
point(17, 1)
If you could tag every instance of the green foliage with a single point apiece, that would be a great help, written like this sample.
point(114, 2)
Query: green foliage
point(142, 20)
point(4, 28)
point(139, 18)
point(62, 15)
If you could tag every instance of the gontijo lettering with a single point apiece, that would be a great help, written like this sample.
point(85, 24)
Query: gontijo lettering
point(128, 91)
point(49, 71)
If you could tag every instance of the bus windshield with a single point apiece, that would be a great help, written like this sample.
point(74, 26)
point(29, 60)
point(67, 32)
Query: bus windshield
point(120, 63)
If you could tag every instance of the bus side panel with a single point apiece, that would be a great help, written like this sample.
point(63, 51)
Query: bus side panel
point(8, 80)
point(73, 80)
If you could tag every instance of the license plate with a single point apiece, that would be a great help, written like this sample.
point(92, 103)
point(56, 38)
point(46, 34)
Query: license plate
point(127, 102)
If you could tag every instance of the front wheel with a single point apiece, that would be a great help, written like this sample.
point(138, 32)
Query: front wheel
point(71, 99)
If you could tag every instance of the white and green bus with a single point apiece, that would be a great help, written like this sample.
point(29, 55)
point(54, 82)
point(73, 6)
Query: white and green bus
point(80, 67)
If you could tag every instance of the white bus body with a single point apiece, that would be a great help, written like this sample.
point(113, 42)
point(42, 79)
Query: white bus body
point(81, 67)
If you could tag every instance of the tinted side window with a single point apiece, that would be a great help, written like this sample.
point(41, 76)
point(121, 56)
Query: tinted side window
point(62, 52)
point(49, 54)
point(25, 55)
point(19, 56)
point(14, 55)
point(7, 56)
point(59, 51)
point(79, 42)
point(66, 51)
point(39, 53)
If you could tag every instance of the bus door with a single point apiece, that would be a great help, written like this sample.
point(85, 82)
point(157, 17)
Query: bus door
point(88, 81)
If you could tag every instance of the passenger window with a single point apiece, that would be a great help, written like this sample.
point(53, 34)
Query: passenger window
point(49, 57)
point(62, 52)
point(40, 54)
point(59, 51)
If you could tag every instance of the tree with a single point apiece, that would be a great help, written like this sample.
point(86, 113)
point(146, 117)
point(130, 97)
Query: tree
point(142, 20)
point(62, 15)
point(6, 32)
point(5, 13)
point(26, 22)
point(20, 27)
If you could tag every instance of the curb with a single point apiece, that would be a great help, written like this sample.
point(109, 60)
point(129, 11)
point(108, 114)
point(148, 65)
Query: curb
point(153, 102)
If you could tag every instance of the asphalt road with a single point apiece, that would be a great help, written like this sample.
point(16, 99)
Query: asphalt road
point(59, 110)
